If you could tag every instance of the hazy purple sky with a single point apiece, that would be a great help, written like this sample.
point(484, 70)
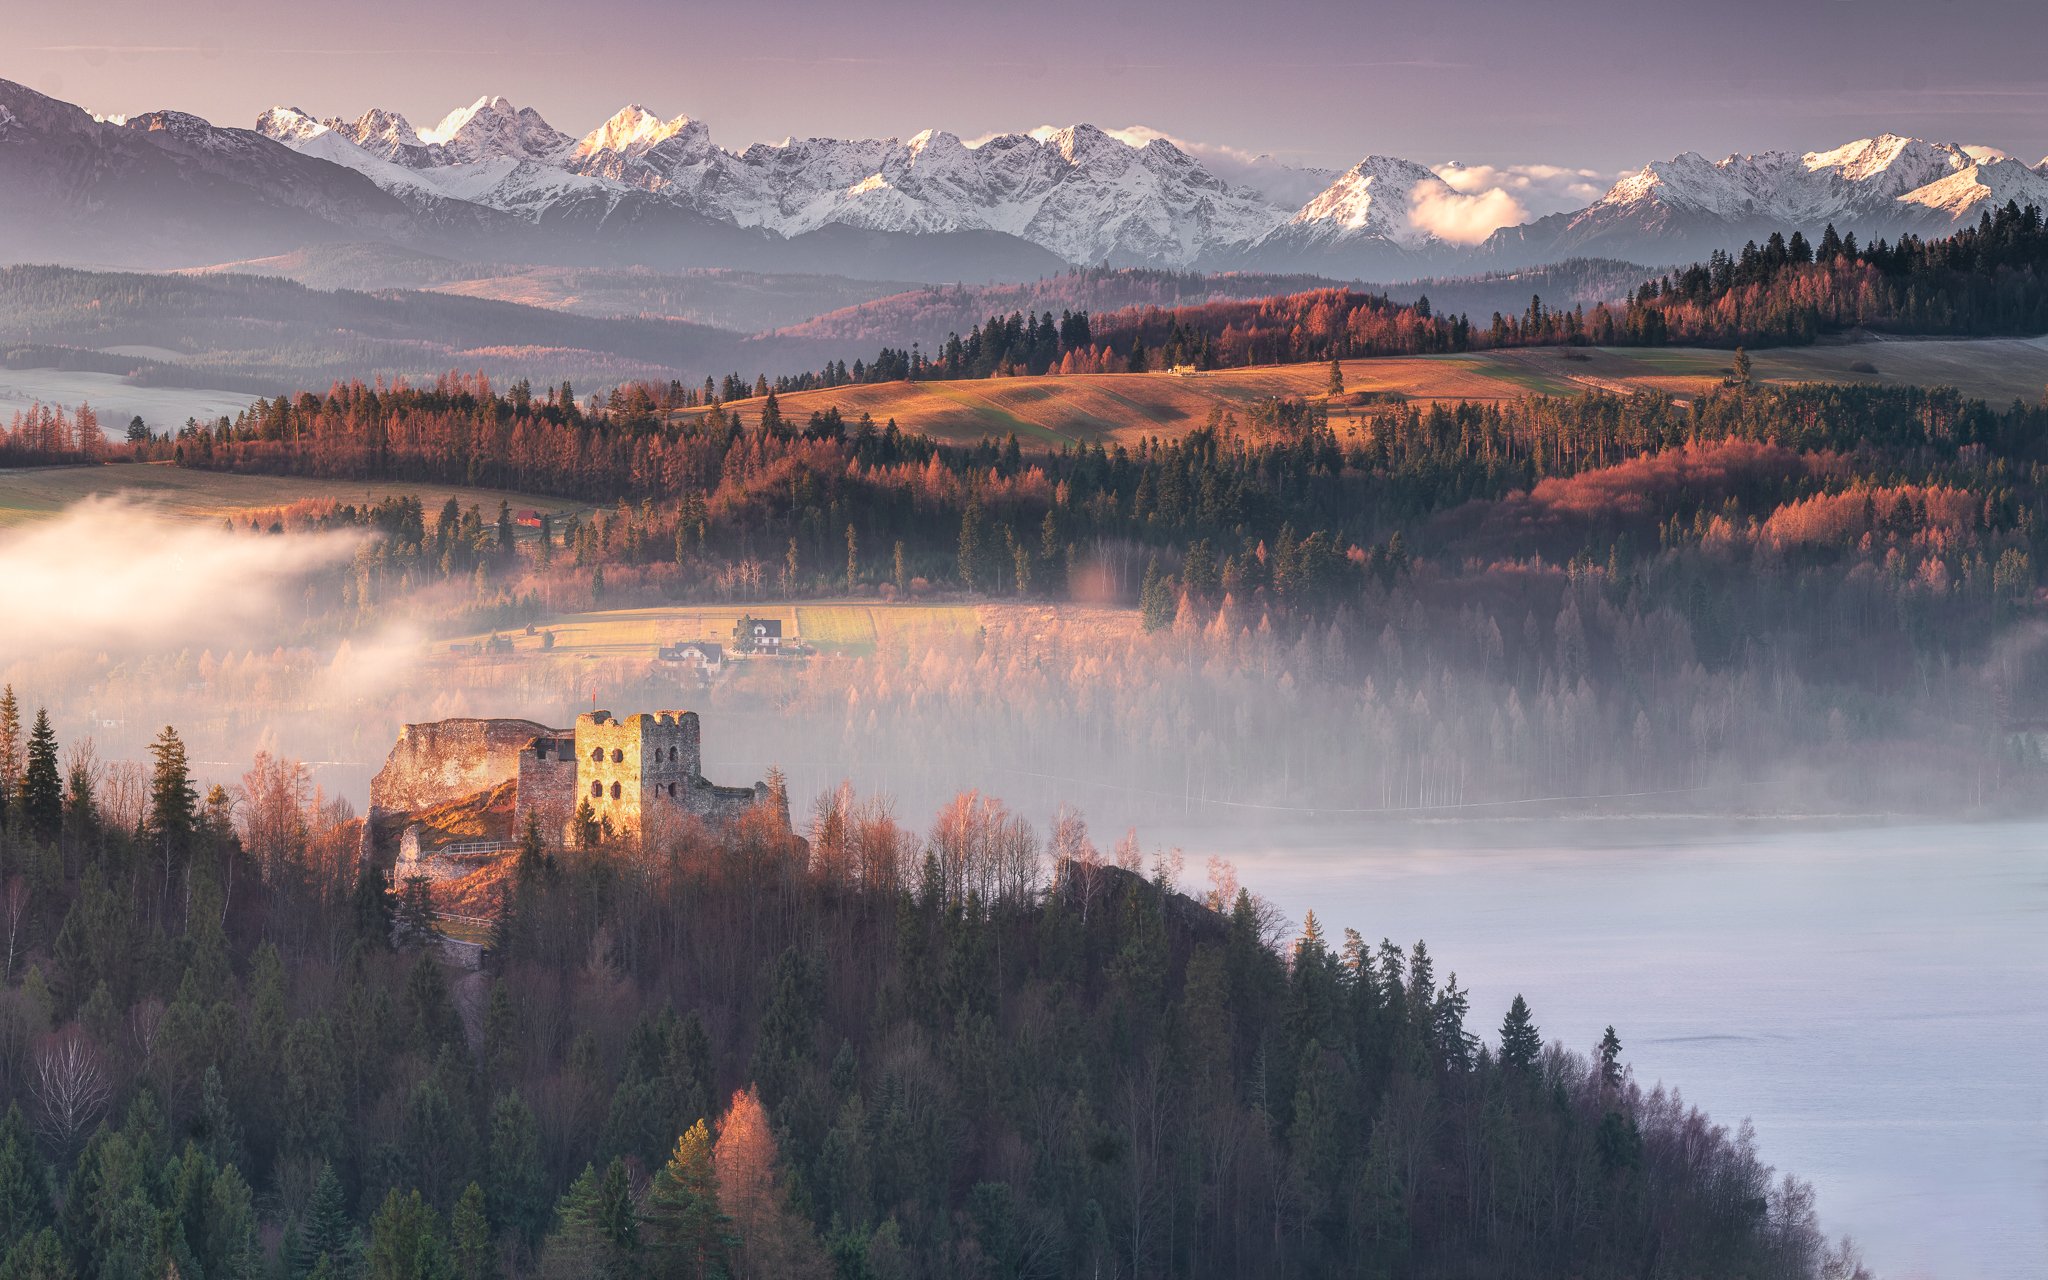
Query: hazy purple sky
point(1604, 84)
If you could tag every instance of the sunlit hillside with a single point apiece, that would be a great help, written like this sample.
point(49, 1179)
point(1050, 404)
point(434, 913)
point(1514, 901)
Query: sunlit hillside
point(1128, 406)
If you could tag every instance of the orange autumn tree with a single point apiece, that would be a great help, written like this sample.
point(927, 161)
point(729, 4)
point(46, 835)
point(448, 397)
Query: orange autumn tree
point(774, 1241)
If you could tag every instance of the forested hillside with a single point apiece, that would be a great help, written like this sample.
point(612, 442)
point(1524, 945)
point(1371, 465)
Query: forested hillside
point(1983, 280)
point(1988, 279)
point(1548, 597)
point(228, 1050)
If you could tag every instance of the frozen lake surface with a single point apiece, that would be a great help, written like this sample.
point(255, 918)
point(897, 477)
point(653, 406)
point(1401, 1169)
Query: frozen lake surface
point(1875, 1000)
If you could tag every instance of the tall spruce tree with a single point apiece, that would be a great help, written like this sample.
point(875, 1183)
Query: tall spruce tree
point(42, 789)
point(173, 803)
point(1520, 1041)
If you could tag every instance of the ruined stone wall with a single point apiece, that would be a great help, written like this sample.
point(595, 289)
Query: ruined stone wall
point(444, 761)
point(723, 804)
point(547, 785)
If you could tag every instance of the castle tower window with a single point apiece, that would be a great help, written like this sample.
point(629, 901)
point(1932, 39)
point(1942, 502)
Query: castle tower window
point(618, 756)
point(540, 750)
point(596, 754)
point(597, 789)
point(615, 791)
point(671, 790)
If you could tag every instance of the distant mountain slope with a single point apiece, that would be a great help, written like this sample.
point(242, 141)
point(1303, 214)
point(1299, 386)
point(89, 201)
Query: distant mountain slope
point(166, 188)
point(1686, 207)
point(929, 314)
point(256, 330)
point(742, 301)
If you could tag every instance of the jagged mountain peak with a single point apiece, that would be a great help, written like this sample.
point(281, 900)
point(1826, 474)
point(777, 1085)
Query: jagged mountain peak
point(492, 128)
point(289, 125)
point(634, 130)
point(1373, 197)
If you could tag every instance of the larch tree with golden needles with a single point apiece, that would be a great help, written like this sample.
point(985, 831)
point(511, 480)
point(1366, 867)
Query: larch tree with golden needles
point(774, 1242)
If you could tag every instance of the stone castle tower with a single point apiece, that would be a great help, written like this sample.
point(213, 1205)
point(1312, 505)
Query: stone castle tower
point(628, 768)
point(635, 774)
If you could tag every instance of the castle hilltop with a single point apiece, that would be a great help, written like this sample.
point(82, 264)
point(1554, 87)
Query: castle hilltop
point(452, 792)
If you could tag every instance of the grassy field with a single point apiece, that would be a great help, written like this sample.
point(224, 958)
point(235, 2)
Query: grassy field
point(852, 627)
point(1127, 406)
point(29, 493)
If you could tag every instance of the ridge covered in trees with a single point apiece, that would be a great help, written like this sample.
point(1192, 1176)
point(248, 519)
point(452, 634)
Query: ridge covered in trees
point(227, 1049)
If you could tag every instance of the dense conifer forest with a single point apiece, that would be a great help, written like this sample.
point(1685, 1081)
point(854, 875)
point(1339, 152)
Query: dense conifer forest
point(229, 1049)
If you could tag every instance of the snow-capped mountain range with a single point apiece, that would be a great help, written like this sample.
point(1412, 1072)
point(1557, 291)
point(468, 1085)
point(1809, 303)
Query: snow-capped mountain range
point(495, 179)
point(1089, 196)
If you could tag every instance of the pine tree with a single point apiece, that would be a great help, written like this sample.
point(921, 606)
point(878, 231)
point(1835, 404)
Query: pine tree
point(596, 1232)
point(42, 790)
point(1610, 1060)
point(173, 804)
point(686, 1233)
point(406, 1242)
point(1741, 376)
point(1156, 598)
point(370, 905)
point(1520, 1042)
point(1336, 377)
point(973, 544)
point(515, 1179)
point(323, 1227)
point(469, 1235)
point(24, 1193)
point(10, 747)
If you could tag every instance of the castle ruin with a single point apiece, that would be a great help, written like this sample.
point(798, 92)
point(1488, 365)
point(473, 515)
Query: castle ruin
point(467, 786)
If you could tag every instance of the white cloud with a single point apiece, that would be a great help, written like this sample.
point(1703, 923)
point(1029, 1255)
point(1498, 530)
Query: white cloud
point(1463, 218)
point(114, 574)
point(1540, 188)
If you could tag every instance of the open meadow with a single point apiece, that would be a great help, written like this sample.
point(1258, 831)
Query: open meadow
point(852, 627)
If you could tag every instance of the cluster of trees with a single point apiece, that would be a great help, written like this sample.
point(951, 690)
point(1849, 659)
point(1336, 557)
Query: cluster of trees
point(1988, 279)
point(225, 1051)
point(47, 435)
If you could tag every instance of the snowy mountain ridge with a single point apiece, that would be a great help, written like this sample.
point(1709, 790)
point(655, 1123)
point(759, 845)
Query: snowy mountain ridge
point(1092, 195)
point(497, 180)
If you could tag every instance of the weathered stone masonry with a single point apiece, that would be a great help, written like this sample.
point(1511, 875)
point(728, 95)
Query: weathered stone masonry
point(635, 773)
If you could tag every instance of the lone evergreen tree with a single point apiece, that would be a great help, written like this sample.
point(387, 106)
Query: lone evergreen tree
point(42, 789)
point(1610, 1059)
point(1336, 377)
point(173, 804)
point(1520, 1041)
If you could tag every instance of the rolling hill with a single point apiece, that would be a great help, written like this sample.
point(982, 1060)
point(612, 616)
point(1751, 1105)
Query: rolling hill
point(1125, 407)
